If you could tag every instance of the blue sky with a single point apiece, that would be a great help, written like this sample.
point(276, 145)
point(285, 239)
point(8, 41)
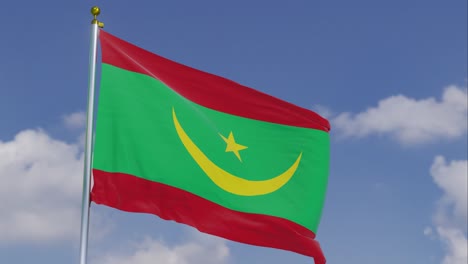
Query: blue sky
point(391, 76)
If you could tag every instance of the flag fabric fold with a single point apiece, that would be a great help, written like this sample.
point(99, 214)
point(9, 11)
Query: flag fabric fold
point(202, 150)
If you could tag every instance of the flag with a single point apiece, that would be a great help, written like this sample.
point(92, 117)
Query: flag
point(205, 151)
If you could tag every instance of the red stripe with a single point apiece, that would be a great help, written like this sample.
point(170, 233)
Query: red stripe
point(133, 194)
point(206, 89)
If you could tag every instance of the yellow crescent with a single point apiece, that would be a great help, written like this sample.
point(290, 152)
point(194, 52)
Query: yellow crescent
point(227, 181)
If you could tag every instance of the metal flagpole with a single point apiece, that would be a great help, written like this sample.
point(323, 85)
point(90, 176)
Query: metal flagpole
point(95, 24)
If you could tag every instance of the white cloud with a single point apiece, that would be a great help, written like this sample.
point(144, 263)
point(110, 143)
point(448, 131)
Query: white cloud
point(41, 187)
point(450, 217)
point(456, 245)
point(409, 120)
point(453, 180)
point(201, 249)
point(75, 120)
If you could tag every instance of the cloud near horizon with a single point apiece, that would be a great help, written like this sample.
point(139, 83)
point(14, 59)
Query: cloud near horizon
point(409, 120)
point(198, 249)
point(41, 188)
point(450, 217)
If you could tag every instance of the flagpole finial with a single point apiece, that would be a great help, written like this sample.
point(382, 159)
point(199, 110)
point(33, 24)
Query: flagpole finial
point(95, 11)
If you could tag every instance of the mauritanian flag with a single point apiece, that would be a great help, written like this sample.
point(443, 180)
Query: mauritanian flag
point(202, 150)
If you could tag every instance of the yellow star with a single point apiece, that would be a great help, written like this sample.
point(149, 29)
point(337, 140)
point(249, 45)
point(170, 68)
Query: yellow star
point(232, 146)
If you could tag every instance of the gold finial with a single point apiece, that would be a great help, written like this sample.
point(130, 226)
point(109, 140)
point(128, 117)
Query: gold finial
point(95, 11)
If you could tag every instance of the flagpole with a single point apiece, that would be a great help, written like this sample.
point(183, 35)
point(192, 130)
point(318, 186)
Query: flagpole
point(85, 204)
